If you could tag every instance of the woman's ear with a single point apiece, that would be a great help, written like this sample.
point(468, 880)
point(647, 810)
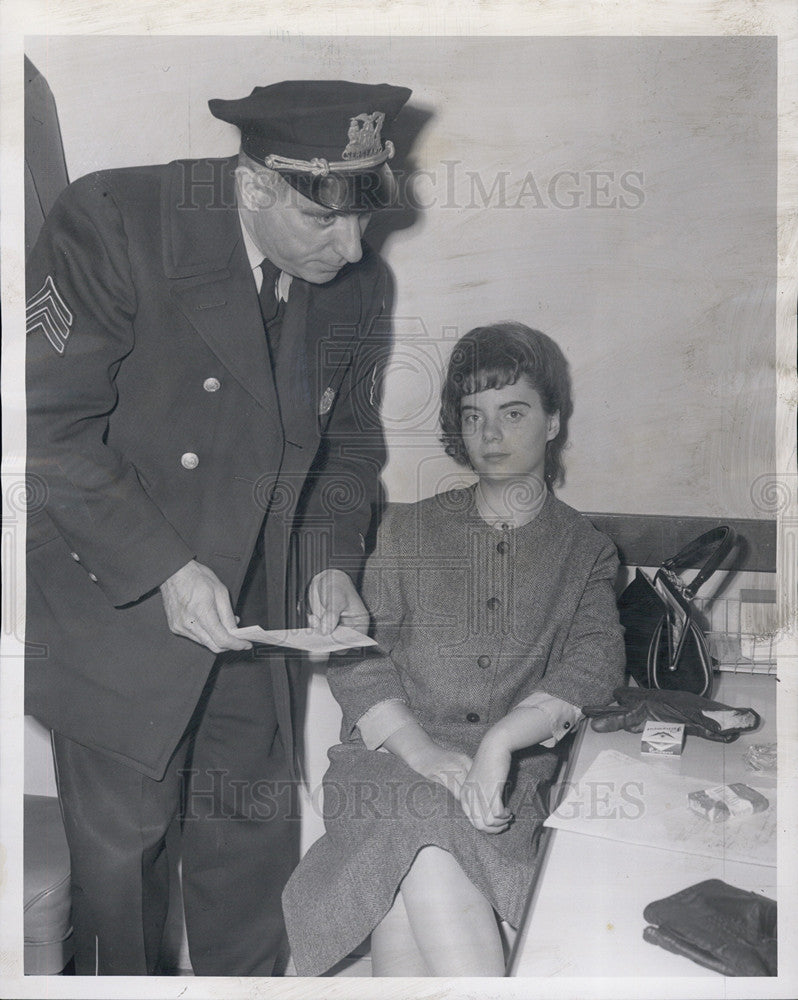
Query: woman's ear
point(553, 428)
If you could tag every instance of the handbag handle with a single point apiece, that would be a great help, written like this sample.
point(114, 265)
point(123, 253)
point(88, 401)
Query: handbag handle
point(722, 540)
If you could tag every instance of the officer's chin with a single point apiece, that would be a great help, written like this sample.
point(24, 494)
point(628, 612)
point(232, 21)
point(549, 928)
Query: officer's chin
point(324, 276)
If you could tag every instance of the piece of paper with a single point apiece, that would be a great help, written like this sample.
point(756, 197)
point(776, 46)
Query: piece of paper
point(624, 799)
point(305, 638)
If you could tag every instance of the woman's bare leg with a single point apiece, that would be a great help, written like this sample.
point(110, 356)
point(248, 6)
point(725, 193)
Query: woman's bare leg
point(454, 926)
point(394, 951)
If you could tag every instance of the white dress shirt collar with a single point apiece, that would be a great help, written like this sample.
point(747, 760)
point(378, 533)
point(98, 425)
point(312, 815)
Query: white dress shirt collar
point(256, 258)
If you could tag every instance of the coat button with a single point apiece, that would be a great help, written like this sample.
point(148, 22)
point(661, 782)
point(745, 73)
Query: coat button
point(189, 460)
point(493, 603)
point(211, 385)
point(566, 725)
point(502, 548)
point(92, 577)
point(472, 717)
point(75, 556)
point(483, 662)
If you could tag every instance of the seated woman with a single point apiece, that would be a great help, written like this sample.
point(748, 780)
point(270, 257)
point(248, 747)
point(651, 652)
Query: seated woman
point(495, 615)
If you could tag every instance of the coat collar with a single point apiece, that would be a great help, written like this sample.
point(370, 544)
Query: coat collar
point(199, 216)
point(211, 282)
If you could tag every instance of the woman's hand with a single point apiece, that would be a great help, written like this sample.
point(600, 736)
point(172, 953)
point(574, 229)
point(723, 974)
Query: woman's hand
point(419, 751)
point(447, 767)
point(482, 793)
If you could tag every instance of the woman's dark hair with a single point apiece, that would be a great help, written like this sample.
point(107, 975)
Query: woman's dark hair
point(491, 357)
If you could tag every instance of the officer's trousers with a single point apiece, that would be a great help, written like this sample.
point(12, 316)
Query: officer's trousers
point(239, 844)
point(230, 780)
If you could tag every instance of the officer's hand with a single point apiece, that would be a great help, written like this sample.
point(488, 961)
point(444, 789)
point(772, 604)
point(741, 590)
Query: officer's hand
point(197, 606)
point(333, 601)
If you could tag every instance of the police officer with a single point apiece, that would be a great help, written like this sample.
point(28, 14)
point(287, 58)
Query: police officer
point(203, 364)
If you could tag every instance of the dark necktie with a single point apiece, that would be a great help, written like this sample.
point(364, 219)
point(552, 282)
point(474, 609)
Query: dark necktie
point(269, 304)
point(266, 295)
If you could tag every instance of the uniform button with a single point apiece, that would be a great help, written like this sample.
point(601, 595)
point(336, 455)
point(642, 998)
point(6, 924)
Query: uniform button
point(75, 556)
point(189, 460)
point(211, 384)
point(472, 717)
point(502, 548)
point(484, 662)
point(92, 577)
point(493, 603)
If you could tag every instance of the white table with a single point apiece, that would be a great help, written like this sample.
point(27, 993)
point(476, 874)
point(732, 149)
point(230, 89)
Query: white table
point(586, 916)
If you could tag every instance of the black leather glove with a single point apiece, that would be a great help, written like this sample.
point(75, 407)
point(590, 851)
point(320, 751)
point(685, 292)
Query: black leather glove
point(717, 926)
point(700, 716)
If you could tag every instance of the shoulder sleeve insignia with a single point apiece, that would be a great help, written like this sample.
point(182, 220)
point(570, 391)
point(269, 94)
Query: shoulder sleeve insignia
point(46, 310)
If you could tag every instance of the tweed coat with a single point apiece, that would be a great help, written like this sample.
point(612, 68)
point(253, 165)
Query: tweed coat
point(156, 435)
point(470, 622)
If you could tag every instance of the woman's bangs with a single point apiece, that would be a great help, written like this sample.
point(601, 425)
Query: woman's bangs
point(495, 376)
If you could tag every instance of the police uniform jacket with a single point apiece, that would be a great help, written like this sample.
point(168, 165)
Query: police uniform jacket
point(158, 433)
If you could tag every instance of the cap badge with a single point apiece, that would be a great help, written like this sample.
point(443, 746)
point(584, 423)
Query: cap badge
point(364, 136)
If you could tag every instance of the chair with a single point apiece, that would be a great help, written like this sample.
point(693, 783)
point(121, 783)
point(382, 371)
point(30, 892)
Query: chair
point(46, 894)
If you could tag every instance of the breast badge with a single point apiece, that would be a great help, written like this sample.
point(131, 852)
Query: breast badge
point(327, 400)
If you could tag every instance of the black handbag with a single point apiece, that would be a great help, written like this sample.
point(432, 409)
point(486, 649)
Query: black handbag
point(665, 644)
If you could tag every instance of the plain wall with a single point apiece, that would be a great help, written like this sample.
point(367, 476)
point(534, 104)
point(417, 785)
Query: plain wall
point(617, 193)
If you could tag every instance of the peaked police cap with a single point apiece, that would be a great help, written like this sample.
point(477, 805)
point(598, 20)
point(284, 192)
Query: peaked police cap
point(327, 138)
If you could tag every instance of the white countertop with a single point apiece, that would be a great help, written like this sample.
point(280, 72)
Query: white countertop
point(586, 918)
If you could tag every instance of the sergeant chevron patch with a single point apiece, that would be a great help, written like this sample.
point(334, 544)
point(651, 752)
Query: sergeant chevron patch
point(48, 311)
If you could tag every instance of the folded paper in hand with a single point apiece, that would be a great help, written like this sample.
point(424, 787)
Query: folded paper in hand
point(342, 637)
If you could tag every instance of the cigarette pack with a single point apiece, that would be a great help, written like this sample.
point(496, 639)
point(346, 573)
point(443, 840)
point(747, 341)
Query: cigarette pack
point(663, 739)
point(727, 802)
